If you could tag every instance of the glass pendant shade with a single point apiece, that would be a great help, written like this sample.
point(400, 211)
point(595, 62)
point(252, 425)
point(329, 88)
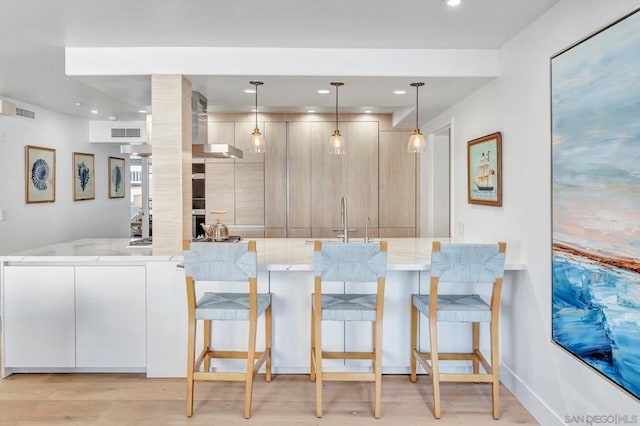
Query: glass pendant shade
point(257, 144)
point(336, 144)
point(257, 141)
point(416, 142)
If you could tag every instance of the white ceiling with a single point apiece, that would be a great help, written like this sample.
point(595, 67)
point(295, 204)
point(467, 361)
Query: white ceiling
point(34, 33)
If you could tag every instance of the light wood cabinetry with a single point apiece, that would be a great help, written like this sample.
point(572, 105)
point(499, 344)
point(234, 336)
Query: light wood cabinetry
point(249, 193)
point(294, 188)
point(220, 191)
point(397, 186)
point(299, 165)
point(275, 175)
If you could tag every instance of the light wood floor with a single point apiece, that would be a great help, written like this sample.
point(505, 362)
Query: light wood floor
point(132, 399)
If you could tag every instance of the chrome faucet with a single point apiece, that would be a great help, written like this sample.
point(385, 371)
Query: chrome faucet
point(344, 217)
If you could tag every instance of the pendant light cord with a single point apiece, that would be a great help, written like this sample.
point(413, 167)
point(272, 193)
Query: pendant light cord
point(417, 87)
point(256, 106)
point(337, 87)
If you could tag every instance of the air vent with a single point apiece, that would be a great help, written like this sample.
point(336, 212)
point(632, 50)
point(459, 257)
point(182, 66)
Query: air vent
point(125, 133)
point(25, 113)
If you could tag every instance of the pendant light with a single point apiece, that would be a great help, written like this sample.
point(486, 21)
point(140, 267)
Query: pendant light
point(257, 139)
point(336, 143)
point(416, 142)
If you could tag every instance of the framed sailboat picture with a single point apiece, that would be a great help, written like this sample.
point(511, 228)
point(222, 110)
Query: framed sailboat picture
point(484, 170)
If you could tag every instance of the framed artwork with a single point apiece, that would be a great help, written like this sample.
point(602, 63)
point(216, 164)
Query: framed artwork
point(40, 175)
point(84, 176)
point(116, 177)
point(595, 208)
point(484, 170)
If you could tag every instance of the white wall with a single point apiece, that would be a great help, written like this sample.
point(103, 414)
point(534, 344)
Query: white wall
point(551, 383)
point(32, 225)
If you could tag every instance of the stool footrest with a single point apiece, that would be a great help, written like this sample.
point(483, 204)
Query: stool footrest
point(223, 377)
point(349, 377)
point(348, 355)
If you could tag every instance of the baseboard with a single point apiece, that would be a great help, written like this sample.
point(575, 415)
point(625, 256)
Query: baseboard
point(536, 406)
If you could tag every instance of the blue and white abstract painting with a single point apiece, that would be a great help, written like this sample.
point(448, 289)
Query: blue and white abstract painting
point(595, 89)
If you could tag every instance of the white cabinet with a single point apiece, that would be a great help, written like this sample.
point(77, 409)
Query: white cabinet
point(68, 317)
point(39, 317)
point(110, 317)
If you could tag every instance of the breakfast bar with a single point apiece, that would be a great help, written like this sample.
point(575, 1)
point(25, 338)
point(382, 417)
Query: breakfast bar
point(100, 305)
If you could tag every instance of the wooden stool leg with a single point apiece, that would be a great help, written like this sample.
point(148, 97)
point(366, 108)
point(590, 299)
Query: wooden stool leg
point(435, 367)
point(207, 345)
point(268, 339)
point(312, 368)
point(414, 339)
point(475, 327)
point(251, 354)
point(191, 355)
point(317, 321)
point(377, 325)
point(495, 368)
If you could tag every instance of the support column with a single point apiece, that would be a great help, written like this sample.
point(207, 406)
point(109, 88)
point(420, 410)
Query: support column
point(171, 144)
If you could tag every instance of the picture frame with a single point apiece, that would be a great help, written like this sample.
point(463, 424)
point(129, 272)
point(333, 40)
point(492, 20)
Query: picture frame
point(40, 174)
point(116, 177)
point(484, 170)
point(595, 203)
point(84, 176)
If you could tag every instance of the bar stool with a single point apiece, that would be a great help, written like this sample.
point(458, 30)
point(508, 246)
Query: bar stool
point(206, 261)
point(460, 263)
point(348, 262)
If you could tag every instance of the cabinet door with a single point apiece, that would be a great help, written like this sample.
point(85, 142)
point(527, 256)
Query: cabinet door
point(328, 176)
point(110, 316)
point(397, 182)
point(249, 178)
point(220, 191)
point(39, 318)
point(300, 176)
point(275, 175)
point(362, 174)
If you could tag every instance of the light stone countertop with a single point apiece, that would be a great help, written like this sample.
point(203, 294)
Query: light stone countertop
point(274, 254)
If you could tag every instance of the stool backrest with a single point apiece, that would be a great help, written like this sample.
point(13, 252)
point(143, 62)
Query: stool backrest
point(352, 262)
point(467, 263)
point(206, 261)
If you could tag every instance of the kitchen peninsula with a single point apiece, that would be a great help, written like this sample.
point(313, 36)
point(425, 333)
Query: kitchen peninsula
point(96, 305)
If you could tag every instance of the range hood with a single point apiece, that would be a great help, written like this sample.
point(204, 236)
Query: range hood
point(200, 145)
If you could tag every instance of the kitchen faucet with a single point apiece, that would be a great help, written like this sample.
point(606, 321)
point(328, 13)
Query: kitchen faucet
point(344, 218)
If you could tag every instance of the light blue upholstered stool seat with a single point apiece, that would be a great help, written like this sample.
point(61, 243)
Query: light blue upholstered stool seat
point(206, 261)
point(350, 262)
point(460, 264)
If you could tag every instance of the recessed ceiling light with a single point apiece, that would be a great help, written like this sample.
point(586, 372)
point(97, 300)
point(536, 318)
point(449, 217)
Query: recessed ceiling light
point(324, 91)
point(399, 92)
point(78, 103)
point(249, 90)
point(255, 110)
point(142, 111)
point(94, 111)
point(311, 111)
point(113, 118)
point(367, 111)
point(452, 3)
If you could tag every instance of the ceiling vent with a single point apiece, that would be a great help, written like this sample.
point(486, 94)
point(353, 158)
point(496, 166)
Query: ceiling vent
point(121, 132)
point(20, 112)
point(118, 132)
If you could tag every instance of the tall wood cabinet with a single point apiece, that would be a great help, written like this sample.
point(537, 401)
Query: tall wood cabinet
point(294, 189)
